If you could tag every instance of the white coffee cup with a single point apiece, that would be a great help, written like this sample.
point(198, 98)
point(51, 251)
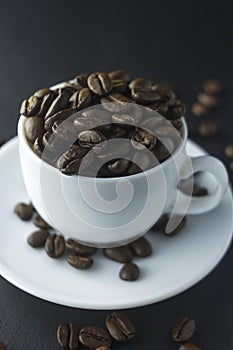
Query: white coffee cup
point(122, 209)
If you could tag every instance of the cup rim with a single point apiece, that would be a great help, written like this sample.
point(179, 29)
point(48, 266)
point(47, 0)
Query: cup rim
point(23, 140)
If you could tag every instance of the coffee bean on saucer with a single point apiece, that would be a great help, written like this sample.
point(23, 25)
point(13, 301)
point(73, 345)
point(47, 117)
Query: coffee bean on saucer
point(93, 337)
point(141, 247)
point(208, 128)
point(2, 346)
point(129, 272)
point(40, 222)
point(55, 246)
point(24, 211)
point(38, 238)
point(207, 101)
point(198, 109)
point(122, 254)
point(119, 74)
point(30, 106)
point(161, 223)
point(67, 336)
point(80, 262)
point(188, 346)
point(120, 327)
point(212, 87)
point(175, 224)
point(34, 128)
point(99, 83)
point(79, 249)
point(183, 330)
point(229, 151)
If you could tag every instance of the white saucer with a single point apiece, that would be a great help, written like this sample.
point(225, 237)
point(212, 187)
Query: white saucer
point(177, 263)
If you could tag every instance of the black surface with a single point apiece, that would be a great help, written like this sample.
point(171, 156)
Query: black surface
point(182, 42)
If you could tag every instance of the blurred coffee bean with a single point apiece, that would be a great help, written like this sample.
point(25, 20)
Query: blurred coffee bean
point(129, 272)
point(118, 166)
point(2, 346)
point(208, 128)
point(198, 109)
point(38, 238)
point(164, 91)
point(212, 87)
point(81, 80)
point(120, 327)
point(183, 330)
point(93, 337)
point(229, 151)
point(121, 254)
point(55, 246)
point(99, 83)
point(188, 346)
point(61, 102)
point(59, 116)
point(207, 101)
point(34, 128)
point(90, 138)
point(41, 223)
point(119, 74)
point(140, 83)
point(141, 247)
point(80, 262)
point(38, 147)
point(79, 249)
point(46, 102)
point(30, 107)
point(67, 336)
point(115, 102)
point(81, 99)
point(24, 211)
point(144, 96)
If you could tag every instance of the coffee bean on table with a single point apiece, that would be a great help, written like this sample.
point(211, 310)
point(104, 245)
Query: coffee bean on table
point(40, 222)
point(122, 254)
point(67, 336)
point(183, 330)
point(198, 109)
point(38, 238)
point(55, 246)
point(208, 128)
point(99, 83)
point(207, 101)
point(93, 337)
point(2, 346)
point(212, 87)
point(80, 262)
point(34, 128)
point(24, 211)
point(38, 147)
point(129, 272)
point(141, 247)
point(176, 110)
point(161, 223)
point(188, 346)
point(229, 151)
point(120, 327)
point(79, 249)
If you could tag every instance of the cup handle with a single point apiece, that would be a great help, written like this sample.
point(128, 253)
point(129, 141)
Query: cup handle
point(186, 204)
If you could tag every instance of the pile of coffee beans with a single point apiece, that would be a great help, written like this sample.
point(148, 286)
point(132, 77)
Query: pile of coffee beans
point(182, 332)
point(64, 124)
point(79, 255)
point(118, 328)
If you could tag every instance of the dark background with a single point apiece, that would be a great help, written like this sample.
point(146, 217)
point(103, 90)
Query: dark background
point(181, 42)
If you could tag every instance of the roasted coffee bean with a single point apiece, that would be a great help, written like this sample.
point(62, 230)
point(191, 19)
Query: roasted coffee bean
point(175, 224)
point(81, 99)
point(208, 128)
point(176, 110)
point(164, 148)
point(84, 123)
point(96, 113)
point(140, 83)
point(41, 223)
point(42, 92)
point(119, 74)
point(122, 254)
point(115, 150)
point(141, 247)
point(104, 347)
point(30, 107)
point(118, 132)
point(115, 102)
point(198, 109)
point(120, 327)
point(90, 138)
point(179, 125)
point(99, 83)
point(141, 161)
point(47, 102)
point(129, 272)
point(34, 128)
point(199, 191)
point(55, 246)
point(38, 147)
point(38, 238)
point(188, 346)
point(125, 120)
point(144, 96)
point(118, 166)
point(80, 262)
point(229, 151)
point(145, 138)
point(212, 87)
point(161, 223)
point(207, 100)
point(74, 152)
point(81, 80)
point(67, 336)
point(68, 89)
point(59, 116)
point(24, 211)
point(2, 346)
point(93, 337)
point(183, 330)
point(61, 102)
point(79, 249)
point(159, 107)
point(119, 85)
point(164, 91)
